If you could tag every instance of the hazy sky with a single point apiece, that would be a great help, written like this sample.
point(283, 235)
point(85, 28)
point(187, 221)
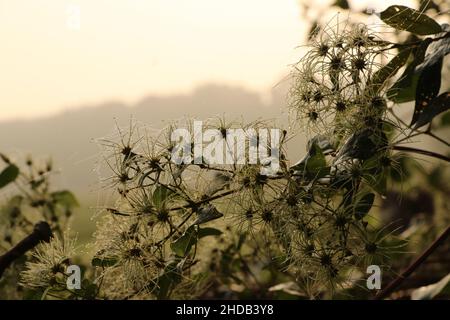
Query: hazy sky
point(57, 54)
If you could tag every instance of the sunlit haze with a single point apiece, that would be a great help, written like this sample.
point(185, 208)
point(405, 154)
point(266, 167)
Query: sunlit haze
point(125, 49)
point(62, 54)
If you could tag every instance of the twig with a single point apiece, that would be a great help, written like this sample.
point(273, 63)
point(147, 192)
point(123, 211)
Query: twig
point(429, 133)
point(41, 232)
point(405, 274)
point(423, 152)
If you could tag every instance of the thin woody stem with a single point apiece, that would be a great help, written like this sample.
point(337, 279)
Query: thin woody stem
point(41, 232)
point(405, 274)
point(423, 152)
point(437, 138)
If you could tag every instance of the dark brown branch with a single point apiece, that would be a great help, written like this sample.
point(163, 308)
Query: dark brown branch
point(405, 274)
point(417, 43)
point(41, 232)
point(423, 152)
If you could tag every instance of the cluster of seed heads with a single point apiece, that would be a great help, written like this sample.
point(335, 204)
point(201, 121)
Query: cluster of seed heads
point(310, 216)
point(332, 82)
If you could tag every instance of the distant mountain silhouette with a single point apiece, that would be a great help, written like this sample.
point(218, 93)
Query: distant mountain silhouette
point(68, 137)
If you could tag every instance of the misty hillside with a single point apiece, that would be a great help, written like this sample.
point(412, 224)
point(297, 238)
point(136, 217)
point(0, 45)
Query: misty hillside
point(68, 137)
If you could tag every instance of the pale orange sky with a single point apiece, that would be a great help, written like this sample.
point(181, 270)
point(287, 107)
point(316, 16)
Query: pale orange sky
point(126, 49)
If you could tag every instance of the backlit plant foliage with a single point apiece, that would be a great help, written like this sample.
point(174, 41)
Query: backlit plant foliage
point(194, 230)
point(31, 201)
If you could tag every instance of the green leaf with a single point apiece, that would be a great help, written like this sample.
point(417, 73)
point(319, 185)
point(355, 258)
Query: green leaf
point(65, 198)
point(445, 120)
point(323, 142)
point(162, 285)
point(33, 294)
point(8, 175)
point(432, 290)
point(90, 290)
point(314, 164)
point(207, 213)
point(389, 70)
point(429, 82)
point(161, 194)
point(437, 106)
point(436, 50)
point(182, 246)
point(168, 280)
point(428, 87)
point(362, 145)
point(404, 18)
point(404, 89)
point(205, 232)
point(342, 4)
point(363, 205)
point(316, 148)
point(316, 160)
point(103, 261)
